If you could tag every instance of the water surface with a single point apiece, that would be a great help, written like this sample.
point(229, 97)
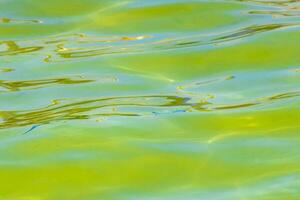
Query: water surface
point(161, 99)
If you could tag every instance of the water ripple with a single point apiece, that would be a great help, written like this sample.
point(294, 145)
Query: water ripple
point(19, 21)
point(108, 107)
point(33, 84)
point(79, 45)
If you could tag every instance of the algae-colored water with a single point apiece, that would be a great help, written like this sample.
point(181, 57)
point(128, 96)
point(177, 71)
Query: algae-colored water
point(150, 100)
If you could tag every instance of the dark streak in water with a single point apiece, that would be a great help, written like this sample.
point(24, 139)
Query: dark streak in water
point(251, 30)
point(18, 21)
point(281, 13)
point(113, 46)
point(83, 110)
point(245, 105)
point(32, 84)
point(175, 43)
point(14, 49)
point(271, 2)
point(31, 129)
point(285, 95)
point(79, 110)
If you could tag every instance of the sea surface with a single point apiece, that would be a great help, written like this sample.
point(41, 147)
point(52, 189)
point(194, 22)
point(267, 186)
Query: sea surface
point(149, 100)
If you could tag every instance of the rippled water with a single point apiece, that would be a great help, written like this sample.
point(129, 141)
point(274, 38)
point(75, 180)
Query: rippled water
point(160, 99)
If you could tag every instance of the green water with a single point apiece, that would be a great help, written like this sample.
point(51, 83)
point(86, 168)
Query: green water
point(154, 100)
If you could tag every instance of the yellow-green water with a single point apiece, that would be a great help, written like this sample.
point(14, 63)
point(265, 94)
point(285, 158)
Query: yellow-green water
point(149, 99)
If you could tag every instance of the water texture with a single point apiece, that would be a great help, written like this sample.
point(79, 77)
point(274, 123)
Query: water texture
point(154, 100)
